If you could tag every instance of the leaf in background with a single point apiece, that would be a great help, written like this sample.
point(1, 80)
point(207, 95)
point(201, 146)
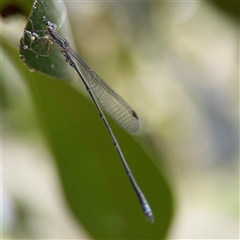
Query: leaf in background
point(93, 180)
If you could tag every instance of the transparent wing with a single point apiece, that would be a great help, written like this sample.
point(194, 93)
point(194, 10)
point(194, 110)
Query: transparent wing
point(115, 105)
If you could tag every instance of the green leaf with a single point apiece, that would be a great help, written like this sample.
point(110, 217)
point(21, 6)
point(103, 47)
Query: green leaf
point(35, 48)
point(95, 185)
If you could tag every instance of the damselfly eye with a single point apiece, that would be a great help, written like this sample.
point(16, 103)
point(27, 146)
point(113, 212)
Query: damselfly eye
point(45, 21)
point(52, 26)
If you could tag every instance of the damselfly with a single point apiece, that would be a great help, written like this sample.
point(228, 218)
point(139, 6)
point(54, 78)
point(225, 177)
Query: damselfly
point(98, 90)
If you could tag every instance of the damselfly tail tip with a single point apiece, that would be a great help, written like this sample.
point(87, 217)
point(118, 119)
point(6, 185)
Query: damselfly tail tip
point(150, 217)
point(148, 212)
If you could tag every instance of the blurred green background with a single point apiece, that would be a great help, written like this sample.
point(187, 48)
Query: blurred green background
point(176, 64)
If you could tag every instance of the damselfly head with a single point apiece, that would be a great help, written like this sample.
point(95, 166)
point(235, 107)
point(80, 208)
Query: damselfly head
point(51, 26)
point(45, 21)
